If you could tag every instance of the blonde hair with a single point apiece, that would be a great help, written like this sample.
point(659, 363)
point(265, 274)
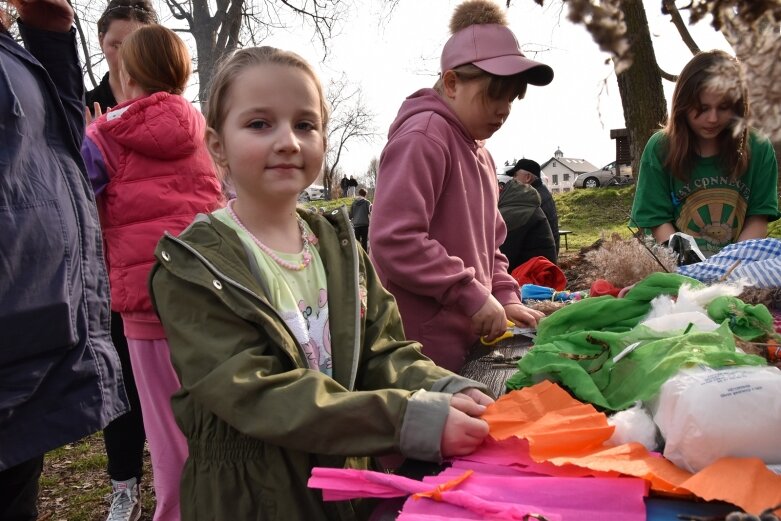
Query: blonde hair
point(714, 71)
point(242, 59)
point(476, 12)
point(157, 59)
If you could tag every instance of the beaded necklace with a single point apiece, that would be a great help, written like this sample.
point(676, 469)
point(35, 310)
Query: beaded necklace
point(306, 253)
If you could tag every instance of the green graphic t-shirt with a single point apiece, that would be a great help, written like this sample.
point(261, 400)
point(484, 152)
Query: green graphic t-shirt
point(300, 297)
point(711, 207)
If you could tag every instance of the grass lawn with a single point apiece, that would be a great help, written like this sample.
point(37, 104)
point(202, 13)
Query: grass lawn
point(587, 213)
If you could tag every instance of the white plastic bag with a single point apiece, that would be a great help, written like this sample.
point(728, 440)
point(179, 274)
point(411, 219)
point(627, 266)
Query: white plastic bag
point(705, 414)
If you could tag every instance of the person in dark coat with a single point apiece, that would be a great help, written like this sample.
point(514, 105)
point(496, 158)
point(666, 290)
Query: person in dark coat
point(344, 184)
point(352, 185)
point(119, 20)
point(528, 172)
point(528, 232)
point(360, 210)
point(60, 377)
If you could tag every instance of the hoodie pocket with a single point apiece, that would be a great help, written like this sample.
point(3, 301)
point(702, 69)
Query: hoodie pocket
point(37, 314)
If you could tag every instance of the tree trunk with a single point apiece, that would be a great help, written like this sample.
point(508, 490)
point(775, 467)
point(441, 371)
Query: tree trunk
point(640, 86)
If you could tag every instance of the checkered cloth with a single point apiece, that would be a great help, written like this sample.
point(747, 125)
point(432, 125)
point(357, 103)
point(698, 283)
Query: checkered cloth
point(760, 264)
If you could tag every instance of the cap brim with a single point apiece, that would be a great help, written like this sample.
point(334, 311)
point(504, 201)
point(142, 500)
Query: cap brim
point(535, 73)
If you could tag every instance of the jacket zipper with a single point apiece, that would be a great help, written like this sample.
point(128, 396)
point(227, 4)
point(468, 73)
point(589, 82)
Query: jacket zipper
point(243, 288)
point(357, 311)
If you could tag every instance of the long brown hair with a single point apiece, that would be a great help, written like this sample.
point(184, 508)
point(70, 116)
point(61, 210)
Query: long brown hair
point(157, 59)
point(717, 71)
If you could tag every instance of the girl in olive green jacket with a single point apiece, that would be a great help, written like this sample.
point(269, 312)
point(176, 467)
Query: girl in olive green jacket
point(290, 353)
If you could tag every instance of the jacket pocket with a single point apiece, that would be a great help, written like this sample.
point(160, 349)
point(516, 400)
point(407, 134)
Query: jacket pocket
point(36, 315)
point(447, 338)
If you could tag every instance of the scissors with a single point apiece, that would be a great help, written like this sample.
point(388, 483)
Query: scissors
point(512, 330)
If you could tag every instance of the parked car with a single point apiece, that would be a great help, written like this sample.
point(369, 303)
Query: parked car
point(605, 176)
point(312, 193)
point(502, 177)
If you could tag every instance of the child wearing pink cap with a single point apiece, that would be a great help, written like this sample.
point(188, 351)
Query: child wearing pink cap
point(435, 227)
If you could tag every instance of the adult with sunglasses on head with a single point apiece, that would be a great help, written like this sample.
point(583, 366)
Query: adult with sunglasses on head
point(59, 374)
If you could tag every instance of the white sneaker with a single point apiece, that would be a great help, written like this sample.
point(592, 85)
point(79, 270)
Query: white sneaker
point(125, 501)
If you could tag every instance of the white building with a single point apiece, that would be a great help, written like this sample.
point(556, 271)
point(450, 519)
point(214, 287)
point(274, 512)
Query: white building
point(561, 171)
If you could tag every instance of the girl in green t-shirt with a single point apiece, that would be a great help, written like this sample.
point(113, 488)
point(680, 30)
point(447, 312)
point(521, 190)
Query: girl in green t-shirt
point(706, 174)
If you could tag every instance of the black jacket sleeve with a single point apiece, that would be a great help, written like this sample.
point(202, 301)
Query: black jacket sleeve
point(58, 54)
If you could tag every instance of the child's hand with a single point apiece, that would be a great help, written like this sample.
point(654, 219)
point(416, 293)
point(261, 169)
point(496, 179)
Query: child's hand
point(490, 321)
point(88, 117)
point(476, 395)
point(520, 315)
point(463, 433)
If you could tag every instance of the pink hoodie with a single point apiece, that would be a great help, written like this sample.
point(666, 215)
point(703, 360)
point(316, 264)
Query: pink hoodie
point(436, 230)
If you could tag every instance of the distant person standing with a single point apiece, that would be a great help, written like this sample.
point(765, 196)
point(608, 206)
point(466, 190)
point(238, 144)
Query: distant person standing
point(352, 185)
point(528, 172)
point(344, 184)
point(360, 211)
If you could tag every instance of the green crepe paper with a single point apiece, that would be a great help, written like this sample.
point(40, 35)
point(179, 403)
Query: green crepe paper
point(576, 345)
point(609, 313)
point(746, 321)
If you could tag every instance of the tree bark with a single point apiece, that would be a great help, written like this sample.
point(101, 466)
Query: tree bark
point(640, 86)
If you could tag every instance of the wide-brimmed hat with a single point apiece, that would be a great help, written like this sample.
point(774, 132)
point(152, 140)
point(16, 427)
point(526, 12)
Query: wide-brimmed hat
point(494, 49)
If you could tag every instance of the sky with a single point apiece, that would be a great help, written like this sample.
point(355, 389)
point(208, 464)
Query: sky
point(393, 58)
point(574, 113)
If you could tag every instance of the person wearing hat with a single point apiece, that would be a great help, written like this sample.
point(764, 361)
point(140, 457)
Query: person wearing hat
point(435, 227)
point(528, 232)
point(528, 172)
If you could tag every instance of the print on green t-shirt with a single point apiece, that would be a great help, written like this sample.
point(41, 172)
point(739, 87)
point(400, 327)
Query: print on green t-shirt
point(711, 206)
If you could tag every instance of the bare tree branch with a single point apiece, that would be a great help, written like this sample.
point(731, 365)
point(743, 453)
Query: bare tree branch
point(667, 76)
point(85, 49)
point(351, 121)
point(179, 12)
point(675, 16)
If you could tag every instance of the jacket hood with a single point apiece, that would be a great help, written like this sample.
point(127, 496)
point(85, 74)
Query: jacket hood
point(427, 101)
point(161, 126)
point(517, 203)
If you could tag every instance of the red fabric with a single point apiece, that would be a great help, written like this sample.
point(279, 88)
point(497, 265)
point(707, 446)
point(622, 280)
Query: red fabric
point(160, 177)
point(601, 287)
point(540, 271)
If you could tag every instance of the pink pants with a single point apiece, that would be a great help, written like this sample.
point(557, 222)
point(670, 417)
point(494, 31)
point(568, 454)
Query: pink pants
point(156, 382)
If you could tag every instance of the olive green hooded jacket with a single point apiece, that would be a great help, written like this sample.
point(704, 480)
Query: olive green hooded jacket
point(257, 419)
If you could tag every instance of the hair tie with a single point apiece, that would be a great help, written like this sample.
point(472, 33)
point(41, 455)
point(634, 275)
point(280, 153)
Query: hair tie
point(134, 7)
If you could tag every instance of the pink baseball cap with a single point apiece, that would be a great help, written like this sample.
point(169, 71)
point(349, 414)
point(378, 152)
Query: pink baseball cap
point(494, 49)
